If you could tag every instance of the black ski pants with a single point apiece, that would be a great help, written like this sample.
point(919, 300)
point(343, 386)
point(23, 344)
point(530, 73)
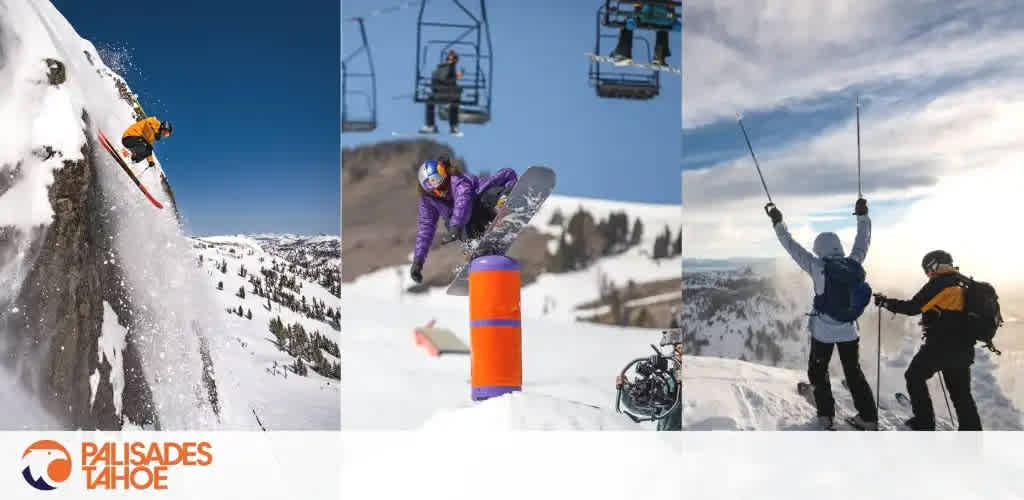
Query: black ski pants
point(817, 374)
point(138, 146)
point(928, 361)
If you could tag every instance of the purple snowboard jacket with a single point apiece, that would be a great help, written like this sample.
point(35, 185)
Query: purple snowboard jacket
point(456, 207)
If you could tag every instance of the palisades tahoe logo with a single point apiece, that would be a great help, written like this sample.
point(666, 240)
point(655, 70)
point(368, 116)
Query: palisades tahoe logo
point(131, 465)
point(45, 464)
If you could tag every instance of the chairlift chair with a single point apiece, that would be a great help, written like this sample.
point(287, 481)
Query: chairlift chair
point(470, 38)
point(367, 121)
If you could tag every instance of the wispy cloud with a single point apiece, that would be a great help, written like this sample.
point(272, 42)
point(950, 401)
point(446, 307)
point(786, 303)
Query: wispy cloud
point(941, 86)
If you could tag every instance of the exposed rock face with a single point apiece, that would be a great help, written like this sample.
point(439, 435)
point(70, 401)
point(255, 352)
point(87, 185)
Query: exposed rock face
point(57, 315)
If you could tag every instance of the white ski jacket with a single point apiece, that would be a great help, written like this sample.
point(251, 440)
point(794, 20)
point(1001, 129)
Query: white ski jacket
point(823, 328)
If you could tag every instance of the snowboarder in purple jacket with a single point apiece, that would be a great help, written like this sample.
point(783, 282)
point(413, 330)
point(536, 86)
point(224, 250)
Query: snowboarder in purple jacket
point(468, 204)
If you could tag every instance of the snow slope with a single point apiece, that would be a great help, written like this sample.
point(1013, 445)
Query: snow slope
point(282, 399)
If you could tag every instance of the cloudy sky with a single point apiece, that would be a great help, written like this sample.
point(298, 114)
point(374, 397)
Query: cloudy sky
point(941, 86)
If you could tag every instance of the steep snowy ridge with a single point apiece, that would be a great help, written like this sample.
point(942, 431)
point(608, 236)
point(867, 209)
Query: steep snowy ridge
point(103, 315)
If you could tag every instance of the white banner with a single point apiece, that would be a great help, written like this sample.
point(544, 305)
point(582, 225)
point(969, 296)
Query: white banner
point(512, 465)
point(170, 465)
point(685, 465)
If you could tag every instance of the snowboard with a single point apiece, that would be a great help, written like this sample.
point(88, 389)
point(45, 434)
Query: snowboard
point(605, 59)
point(521, 204)
point(120, 161)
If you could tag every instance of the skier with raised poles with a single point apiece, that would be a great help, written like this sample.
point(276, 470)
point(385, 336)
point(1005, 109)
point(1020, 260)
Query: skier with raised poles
point(468, 204)
point(828, 332)
point(445, 89)
point(648, 14)
point(947, 349)
point(138, 139)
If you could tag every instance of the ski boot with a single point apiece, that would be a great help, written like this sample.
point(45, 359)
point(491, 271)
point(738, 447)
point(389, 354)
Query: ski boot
point(454, 131)
point(861, 424)
point(428, 129)
point(826, 424)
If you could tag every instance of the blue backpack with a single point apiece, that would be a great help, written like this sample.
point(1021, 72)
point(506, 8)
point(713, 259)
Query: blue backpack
point(846, 293)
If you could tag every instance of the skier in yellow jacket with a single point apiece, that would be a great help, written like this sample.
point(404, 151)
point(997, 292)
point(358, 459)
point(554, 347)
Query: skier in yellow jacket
point(138, 139)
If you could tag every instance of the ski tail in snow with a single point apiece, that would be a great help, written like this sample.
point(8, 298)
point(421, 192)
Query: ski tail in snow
point(120, 161)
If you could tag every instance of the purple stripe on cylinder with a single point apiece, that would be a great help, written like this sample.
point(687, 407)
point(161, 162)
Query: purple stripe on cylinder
point(480, 393)
point(495, 322)
point(493, 263)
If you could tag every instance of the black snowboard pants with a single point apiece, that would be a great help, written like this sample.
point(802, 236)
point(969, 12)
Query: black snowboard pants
point(138, 146)
point(928, 361)
point(817, 374)
point(484, 210)
point(447, 94)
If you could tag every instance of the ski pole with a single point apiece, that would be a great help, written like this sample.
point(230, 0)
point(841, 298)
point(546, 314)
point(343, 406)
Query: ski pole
point(878, 364)
point(860, 194)
point(942, 384)
point(739, 119)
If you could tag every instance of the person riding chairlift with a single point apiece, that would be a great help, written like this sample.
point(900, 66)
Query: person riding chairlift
point(657, 15)
point(444, 90)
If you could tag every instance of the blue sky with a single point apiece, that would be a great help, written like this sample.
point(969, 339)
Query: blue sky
point(939, 82)
point(253, 93)
point(543, 110)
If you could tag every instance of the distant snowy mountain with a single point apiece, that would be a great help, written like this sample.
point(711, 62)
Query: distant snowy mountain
point(260, 282)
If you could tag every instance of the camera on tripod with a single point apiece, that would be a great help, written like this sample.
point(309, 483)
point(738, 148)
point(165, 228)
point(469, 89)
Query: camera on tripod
point(649, 388)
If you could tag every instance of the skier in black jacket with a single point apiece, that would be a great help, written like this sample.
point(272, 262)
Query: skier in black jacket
point(948, 346)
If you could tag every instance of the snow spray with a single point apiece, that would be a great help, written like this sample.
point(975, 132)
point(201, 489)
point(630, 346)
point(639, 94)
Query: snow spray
point(496, 342)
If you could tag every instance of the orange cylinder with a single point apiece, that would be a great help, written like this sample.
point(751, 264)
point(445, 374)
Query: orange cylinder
point(495, 327)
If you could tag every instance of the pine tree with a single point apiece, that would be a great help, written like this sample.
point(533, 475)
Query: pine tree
point(241, 292)
point(637, 234)
point(677, 246)
point(220, 285)
point(248, 314)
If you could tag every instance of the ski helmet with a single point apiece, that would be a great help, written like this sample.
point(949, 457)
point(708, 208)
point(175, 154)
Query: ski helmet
point(932, 260)
point(167, 127)
point(432, 176)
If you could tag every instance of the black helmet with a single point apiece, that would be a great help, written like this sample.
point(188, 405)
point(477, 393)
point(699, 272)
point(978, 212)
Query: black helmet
point(166, 126)
point(932, 260)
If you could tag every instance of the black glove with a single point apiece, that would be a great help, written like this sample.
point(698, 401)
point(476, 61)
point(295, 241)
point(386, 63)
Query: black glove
point(416, 271)
point(774, 213)
point(861, 207)
point(882, 301)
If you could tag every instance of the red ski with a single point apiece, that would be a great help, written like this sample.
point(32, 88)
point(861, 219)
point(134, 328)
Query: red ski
point(120, 161)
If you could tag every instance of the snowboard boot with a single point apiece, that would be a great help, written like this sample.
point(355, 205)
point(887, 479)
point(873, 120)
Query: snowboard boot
point(428, 129)
point(826, 424)
point(621, 60)
point(862, 424)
